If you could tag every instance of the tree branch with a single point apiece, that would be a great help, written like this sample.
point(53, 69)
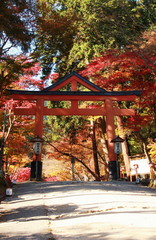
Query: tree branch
point(72, 156)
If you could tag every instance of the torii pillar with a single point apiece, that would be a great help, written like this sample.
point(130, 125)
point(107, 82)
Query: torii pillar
point(110, 130)
point(36, 164)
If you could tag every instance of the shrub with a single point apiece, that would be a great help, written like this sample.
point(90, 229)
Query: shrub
point(51, 179)
point(21, 175)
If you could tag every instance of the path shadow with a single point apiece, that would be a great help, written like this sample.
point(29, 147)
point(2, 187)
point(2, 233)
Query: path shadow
point(28, 237)
point(123, 186)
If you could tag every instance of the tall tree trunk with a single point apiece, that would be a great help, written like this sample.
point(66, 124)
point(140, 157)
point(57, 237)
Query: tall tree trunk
point(124, 147)
point(104, 145)
point(145, 149)
point(95, 156)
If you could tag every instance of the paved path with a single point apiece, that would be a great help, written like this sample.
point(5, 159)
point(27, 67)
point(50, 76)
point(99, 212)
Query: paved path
point(79, 211)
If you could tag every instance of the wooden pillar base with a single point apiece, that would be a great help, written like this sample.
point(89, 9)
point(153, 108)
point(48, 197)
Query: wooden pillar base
point(36, 170)
point(114, 170)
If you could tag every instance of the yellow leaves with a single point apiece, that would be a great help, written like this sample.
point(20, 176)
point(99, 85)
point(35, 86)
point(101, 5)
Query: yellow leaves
point(16, 162)
point(152, 151)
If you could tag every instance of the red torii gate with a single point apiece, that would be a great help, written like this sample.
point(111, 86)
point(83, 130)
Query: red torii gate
point(93, 93)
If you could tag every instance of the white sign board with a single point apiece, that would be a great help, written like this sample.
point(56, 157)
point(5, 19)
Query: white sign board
point(143, 166)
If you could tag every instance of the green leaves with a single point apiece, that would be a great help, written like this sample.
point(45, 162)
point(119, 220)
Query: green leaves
point(78, 30)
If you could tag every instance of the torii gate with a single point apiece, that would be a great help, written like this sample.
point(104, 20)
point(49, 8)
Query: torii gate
point(93, 93)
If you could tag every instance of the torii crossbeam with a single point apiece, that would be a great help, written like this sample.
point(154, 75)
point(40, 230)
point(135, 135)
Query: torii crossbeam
point(74, 95)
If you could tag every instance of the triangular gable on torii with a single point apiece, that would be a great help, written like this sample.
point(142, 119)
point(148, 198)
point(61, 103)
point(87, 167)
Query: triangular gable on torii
point(74, 79)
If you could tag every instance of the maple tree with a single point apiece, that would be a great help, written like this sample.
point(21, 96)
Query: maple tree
point(11, 71)
point(122, 70)
point(15, 147)
point(16, 33)
point(17, 24)
point(16, 131)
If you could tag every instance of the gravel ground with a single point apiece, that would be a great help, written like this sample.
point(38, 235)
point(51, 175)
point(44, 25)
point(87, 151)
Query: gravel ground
point(79, 210)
